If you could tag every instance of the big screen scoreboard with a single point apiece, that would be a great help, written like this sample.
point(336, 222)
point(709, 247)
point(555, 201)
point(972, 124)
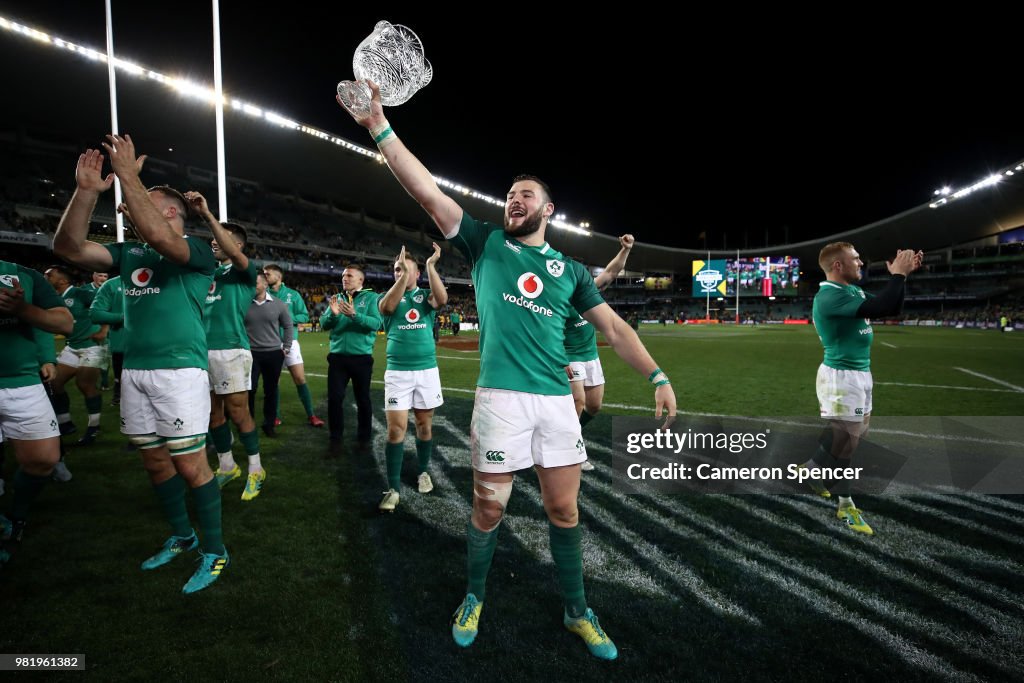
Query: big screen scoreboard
point(756, 276)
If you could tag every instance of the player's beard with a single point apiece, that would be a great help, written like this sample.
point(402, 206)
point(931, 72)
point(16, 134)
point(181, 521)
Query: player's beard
point(531, 224)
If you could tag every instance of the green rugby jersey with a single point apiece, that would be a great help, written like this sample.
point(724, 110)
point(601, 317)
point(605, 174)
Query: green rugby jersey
point(410, 331)
point(24, 347)
point(108, 309)
point(164, 305)
point(846, 338)
point(227, 302)
point(78, 300)
point(580, 339)
point(524, 295)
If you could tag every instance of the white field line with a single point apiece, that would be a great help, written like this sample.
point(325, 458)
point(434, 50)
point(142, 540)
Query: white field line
point(891, 346)
point(945, 386)
point(990, 379)
point(808, 424)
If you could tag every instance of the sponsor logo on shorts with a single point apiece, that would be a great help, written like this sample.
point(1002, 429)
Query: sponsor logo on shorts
point(123, 423)
point(53, 424)
point(495, 456)
point(858, 411)
point(392, 401)
point(556, 267)
point(178, 424)
point(579, 446)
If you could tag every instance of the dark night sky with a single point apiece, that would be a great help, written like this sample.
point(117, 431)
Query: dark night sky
point(729, 124)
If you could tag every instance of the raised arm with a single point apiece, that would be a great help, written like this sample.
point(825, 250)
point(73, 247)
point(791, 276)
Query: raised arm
point(628, 346)
point(150, 223)
point(389, 302)
point(225, 240)
point(438, 293)
point(71, 243)
point(409, 171)
point(889, 301)
point(615, 266)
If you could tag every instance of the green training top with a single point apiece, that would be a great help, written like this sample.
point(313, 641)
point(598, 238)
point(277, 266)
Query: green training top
point(354, 336)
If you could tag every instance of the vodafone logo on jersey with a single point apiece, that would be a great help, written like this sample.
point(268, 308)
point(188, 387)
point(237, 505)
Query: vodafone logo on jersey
point(530, 285)
point(141, 278)
point(415, 320)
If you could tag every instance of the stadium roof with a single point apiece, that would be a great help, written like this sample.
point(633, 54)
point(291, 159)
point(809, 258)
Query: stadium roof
point(53, 97)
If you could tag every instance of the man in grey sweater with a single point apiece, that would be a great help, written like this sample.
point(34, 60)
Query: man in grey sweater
point(266, 316)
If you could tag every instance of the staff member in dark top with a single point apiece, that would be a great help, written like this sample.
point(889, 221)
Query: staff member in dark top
point(353, 320)
point(265, 317)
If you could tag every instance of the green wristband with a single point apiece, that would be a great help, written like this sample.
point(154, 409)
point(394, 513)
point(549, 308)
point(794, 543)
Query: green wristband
point(653, 374)
point(664, 381)
point(382, 135)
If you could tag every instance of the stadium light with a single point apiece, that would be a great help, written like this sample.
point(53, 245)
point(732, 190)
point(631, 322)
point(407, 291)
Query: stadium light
point(206, 94)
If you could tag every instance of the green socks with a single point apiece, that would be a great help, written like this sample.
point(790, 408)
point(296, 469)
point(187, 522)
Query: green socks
point(207, 499)
point(479, 552)
point(424, 449)
point(393, 454)
point(93, 406)
point(171, 494)
point(565, 549)
point(222, 438)
point(26, 488)
point(305, 397)
point(251, 442)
